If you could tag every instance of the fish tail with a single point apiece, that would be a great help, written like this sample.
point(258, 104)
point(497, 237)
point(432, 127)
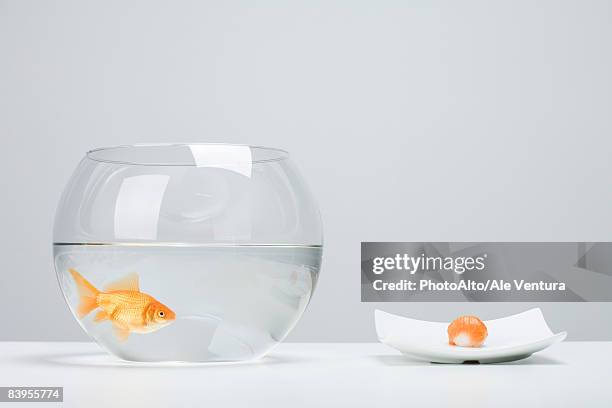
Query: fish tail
point(87, 293)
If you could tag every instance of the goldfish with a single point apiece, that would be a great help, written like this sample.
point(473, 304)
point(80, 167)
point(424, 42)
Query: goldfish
point(467, 331)
point(123, 304)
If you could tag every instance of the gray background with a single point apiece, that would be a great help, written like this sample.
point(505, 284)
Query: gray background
point(412, 121)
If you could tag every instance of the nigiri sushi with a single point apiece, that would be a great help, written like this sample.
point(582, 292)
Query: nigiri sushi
point(467, 331)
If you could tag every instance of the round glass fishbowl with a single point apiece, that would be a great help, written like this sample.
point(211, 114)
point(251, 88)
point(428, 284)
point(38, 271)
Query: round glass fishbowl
point(187, 252)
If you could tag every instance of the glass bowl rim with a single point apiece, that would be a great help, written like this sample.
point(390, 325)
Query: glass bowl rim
point(278, 154)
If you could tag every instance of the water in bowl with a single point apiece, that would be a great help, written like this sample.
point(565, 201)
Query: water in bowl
point(232, 302)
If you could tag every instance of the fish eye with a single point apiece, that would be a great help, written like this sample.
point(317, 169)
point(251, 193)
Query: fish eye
point(161, 313)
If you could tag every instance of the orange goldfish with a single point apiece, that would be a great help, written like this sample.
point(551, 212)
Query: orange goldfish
point(122, 302)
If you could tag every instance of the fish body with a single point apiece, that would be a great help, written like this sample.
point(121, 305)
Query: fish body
point(467, 331)
point(124, 305)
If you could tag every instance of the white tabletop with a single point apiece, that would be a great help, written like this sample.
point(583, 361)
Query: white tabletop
point(314, 375)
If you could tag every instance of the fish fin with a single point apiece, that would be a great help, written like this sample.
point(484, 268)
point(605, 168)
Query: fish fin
point(87, 294)
point(121, 332)
point(101, 316)
point(129, 282)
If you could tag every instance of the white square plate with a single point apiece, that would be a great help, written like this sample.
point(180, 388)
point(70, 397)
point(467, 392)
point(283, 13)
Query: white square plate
point(510, 338)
